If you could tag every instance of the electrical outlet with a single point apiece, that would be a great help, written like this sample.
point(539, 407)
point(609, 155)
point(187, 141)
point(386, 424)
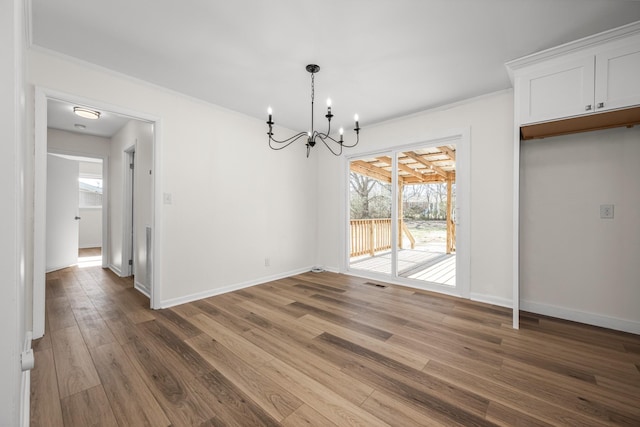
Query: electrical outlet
point(166, 197)
point(606, 211)
point(267, 262)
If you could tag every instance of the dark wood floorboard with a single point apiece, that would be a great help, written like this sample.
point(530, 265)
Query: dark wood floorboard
point(320, 349)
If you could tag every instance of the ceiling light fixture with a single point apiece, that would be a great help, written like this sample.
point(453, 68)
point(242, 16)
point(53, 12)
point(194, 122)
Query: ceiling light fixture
point(312, 135)
point(86, 113)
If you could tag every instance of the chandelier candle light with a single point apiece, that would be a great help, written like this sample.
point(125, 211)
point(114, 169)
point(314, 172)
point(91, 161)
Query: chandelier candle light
point(313, 135)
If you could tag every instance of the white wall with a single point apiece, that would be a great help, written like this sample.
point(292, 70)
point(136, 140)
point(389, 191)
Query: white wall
point(12, 214)
point(139, 135)
point(122, 140)
point(143, 209)
point(573, 263)
point(490, 121)
point(78, 144)
point(90, 169)
point(234, 201)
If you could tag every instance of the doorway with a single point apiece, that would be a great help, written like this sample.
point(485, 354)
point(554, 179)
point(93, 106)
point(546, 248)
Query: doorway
point(93, 217)
point(43, 96)
point(75, 215)
point(404, 221)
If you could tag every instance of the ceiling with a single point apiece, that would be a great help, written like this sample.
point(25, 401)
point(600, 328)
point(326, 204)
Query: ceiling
point(379, 58)
point(60, 115)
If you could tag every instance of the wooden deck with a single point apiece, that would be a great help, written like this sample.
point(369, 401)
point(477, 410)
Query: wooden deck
point(419, 264)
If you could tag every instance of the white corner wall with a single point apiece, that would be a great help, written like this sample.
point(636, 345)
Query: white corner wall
point(77, 144)
point(139, 135)
point(143, 210)
point(123, 139)
point(573, 264)
point(235, 202)
point(490, 122)
point(90, 169)
point(14, 389)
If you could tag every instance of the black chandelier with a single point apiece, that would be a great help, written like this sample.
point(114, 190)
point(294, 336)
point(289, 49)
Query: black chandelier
point(313, 135)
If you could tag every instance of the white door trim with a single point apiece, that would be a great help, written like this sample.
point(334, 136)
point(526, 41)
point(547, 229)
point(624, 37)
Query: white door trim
point(39, 213)
point(40, 190)
point(515, 257)
point(128, 207)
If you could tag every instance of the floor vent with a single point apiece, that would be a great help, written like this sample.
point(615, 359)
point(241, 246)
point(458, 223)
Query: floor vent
point(377, 285)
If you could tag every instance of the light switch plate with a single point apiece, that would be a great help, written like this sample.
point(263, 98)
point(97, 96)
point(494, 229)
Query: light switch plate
point(606, 211)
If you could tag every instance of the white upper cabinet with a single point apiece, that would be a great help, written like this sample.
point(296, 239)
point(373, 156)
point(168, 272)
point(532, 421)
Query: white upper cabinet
point(558, 91)
point(588, 76)
point(618, 78)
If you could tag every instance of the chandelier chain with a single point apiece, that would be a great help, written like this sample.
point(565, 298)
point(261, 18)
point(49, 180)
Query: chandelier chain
point(313, 87)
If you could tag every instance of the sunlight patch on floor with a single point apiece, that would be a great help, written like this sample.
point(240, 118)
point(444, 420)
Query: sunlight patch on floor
point(89, 261)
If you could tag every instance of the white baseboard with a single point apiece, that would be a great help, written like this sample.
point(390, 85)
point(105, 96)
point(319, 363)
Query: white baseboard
point(25, 399)
point(90, 245)
point(142, 289)
point(56, 268)
point(330, 269)
point(235, 287)
point(25, 387)
point(490, 299)
point(115, 270)
point(631, 326)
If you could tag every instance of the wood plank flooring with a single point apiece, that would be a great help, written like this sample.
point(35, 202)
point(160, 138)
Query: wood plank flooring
point(320, 350)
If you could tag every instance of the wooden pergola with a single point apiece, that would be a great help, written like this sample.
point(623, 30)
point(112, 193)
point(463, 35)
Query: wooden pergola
point(430, 165)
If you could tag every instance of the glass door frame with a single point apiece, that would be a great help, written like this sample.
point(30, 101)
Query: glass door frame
point(461, 138)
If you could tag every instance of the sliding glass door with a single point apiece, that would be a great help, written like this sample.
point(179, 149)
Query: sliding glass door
point(402, 221)
point(426, 206)
point(370, 207)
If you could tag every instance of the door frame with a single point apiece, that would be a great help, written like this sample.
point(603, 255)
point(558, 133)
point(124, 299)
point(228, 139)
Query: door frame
point(42, 95)
point(461, 137)
point(128, 212)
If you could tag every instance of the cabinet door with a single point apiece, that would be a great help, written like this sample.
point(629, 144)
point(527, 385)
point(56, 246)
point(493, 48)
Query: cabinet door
point(618, 78)
point(558, 91)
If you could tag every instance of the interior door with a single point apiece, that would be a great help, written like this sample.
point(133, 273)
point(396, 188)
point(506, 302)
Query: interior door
point(62, 213)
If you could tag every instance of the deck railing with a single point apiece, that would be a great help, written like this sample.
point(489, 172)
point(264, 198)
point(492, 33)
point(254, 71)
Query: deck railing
point(369, 236)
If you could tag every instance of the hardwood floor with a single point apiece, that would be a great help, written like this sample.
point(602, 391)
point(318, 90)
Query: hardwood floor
point(319, 350)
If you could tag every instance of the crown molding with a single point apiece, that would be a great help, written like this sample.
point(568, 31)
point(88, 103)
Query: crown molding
point(575, 46)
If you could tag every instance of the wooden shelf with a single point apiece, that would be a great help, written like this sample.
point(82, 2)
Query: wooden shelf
point(618, 118)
